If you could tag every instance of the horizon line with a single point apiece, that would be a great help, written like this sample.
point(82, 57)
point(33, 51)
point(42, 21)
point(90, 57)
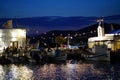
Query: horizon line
point(57, 16)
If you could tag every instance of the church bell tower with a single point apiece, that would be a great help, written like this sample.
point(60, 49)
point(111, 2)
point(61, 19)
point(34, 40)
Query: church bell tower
point(100, 28)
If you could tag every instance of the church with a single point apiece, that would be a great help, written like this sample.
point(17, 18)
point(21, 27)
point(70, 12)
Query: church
point(12, 37)
point(111, 40)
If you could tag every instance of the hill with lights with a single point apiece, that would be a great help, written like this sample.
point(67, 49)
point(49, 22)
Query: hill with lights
point(39, 25)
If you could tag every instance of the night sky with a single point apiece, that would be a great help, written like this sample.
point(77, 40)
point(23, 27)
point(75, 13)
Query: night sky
point(66, 14)
point(35, 8)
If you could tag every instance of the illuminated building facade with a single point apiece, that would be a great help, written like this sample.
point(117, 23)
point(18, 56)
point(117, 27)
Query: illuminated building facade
point(111, 40)
point(12, 37)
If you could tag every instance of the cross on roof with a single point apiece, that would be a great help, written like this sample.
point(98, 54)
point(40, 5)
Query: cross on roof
point(99, 21)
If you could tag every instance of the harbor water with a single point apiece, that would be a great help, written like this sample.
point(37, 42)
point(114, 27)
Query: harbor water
point(71, 70)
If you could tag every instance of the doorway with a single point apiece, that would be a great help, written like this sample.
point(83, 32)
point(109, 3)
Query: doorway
point(14, 44)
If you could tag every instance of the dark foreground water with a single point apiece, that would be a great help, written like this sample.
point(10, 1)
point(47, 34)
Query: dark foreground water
point(67, 71)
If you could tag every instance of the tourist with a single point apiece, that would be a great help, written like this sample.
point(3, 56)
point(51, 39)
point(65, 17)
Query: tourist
point(7, 50)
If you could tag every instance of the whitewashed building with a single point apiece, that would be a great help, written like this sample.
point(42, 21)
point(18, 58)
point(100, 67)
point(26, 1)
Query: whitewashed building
point(12, 37)
point(111, 40)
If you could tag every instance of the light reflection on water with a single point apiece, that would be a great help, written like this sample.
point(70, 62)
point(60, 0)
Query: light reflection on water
point(68, 71)
point(13, 72)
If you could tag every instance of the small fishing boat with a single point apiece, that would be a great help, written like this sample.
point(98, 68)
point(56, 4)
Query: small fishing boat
point(99, 53)
point(57, 55)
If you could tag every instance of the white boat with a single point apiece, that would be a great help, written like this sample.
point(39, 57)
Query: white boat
point(99, 53)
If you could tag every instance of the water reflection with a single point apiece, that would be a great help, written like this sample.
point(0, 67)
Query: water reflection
point(68, 71)
point(2, 72)
point(15, 72)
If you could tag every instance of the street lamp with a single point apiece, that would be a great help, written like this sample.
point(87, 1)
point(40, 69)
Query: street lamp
point(68, 40)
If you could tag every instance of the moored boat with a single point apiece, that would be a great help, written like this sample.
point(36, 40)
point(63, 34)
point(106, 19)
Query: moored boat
point(99, 53)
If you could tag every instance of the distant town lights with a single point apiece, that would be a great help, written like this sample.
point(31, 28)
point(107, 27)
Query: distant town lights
point(37, 32)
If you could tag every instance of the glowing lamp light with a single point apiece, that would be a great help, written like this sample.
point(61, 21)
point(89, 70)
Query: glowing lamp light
point(11, 44)
point(14, 39)
point(116, 34)
point(14, 34)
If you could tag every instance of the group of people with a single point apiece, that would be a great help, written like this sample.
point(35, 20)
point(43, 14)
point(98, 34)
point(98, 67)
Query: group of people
point(10, 50)
point(42, 55)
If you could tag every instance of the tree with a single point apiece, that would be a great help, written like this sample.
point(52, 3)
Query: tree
point(60, 40)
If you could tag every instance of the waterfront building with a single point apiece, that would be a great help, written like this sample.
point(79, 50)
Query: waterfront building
point(12, 37)
point(111, 40)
